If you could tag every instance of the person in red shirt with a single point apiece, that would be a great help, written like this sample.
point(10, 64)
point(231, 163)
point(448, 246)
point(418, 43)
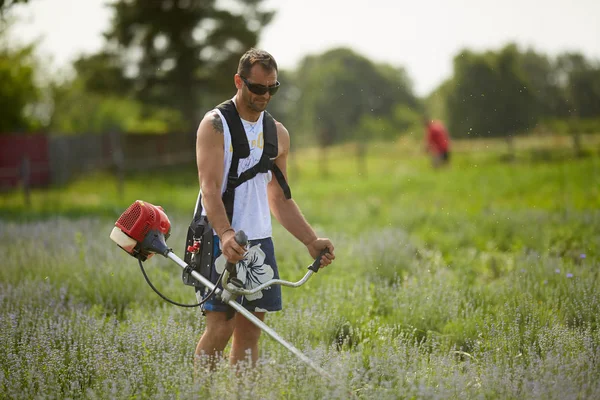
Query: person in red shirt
point(437, 142)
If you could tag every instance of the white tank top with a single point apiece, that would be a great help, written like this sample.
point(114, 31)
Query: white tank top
point(251, 212)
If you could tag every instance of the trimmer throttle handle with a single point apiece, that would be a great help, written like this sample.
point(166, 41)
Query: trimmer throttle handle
point(242, 239)
point(317, 263)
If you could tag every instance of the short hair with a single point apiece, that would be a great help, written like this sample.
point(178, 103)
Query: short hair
point(256, 56)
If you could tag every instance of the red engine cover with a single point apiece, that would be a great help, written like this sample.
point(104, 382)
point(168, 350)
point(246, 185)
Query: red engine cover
point(142, 217)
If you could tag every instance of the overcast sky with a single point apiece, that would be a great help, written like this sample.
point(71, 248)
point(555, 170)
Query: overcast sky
point(420, 35)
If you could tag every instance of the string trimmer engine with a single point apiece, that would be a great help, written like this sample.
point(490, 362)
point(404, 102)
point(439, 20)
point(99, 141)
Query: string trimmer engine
point(142, 230)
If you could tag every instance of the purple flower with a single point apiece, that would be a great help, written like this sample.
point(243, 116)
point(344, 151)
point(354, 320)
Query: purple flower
point(569, 275)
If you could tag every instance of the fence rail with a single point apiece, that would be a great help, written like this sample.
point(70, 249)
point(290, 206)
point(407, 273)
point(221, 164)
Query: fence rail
point(42, 160)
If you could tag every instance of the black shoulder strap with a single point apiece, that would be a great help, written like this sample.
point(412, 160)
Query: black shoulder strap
point(239, 141)
point(271, 150)
point(270, 136)
point(241, 149)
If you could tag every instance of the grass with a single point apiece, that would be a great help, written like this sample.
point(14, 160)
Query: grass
point(476, 281)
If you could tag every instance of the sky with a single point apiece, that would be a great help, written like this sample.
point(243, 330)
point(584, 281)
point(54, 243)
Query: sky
point(422, 36)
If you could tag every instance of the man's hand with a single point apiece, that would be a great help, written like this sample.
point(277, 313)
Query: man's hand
point(232, 251)
point(318, 245)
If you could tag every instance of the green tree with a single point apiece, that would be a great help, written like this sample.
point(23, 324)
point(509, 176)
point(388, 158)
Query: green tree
point(436, 101)
point(102, 73)
point(543, 79)
point(5, 4)
point(580, 81)
point(470, 100)
point(77, 110)
point(516, 103)
point(339, 87)
point(342, 96)
point(178, 54)
point(489, 95)
point(18, 90)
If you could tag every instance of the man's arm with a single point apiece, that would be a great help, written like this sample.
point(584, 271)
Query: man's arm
point(287, 211)
point(209, 157)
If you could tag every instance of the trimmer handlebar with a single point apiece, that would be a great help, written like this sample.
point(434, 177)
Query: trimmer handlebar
point(316, 265)
point(234, 286)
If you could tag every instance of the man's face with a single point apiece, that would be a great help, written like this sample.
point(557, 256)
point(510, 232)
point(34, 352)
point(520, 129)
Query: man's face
point(258, 76)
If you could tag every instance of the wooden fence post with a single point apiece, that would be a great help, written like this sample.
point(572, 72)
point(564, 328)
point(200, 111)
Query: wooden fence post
point(25, 172)
point(118, 161)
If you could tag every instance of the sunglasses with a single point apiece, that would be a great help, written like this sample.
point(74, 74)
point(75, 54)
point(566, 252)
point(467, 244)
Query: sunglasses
point(261, 89)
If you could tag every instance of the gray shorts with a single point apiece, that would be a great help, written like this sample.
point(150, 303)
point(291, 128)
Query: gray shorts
point(258, 267)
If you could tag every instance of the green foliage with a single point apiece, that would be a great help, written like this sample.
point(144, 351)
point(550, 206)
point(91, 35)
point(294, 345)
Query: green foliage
point(543, 78)
point(101, 74)
point(376, 128)
point(185, 52)
point(507, 92)
point(407, 119)
point(79, 111)
point(435, 102)
point(18, 89)
point(490, 96)
point(585, 92)
point(403, 120)
point(580, 79)
point(571, 125)
point(5, 4)
point(339, 88)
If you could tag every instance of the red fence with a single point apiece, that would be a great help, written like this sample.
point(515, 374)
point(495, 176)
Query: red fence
point(40, 160)
point(24, 157)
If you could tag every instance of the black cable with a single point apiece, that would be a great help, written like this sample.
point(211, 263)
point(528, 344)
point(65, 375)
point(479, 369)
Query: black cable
point(174, 302)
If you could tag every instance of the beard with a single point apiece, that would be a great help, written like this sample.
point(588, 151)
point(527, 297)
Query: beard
point(257, 104)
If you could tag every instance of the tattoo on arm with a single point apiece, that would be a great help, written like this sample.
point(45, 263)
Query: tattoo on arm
point(217, 124)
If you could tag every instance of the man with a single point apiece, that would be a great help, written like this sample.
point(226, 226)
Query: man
point(437, 142)
point(255, 199)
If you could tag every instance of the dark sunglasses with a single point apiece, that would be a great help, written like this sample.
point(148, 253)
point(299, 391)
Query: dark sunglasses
point(261, 89)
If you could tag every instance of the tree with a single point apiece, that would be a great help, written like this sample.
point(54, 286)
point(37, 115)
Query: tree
point(343, 96)
point(18, 90)
point(77, 110)
point(580, 80)
point(5, 4)
point(101, 73)
point(435, 102)
point(516, 103)
point(489, 95)
point(543, 80)
point(339, 87)
point(470, 98)
point(176, 53)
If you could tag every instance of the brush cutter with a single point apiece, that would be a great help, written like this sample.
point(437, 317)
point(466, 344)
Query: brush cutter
point(142, 231)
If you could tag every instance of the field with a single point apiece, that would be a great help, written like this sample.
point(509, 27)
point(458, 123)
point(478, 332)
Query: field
point(476, 281)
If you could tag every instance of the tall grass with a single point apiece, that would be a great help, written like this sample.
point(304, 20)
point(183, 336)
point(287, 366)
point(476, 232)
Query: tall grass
point(477, 281)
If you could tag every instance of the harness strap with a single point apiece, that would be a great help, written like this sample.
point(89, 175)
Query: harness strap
point(282, 182)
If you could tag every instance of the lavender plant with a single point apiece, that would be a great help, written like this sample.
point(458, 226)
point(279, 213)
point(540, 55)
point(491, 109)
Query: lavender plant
point(392, 320)
point(444, 287)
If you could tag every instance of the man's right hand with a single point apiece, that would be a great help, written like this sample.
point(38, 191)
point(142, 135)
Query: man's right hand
point(232, 251)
